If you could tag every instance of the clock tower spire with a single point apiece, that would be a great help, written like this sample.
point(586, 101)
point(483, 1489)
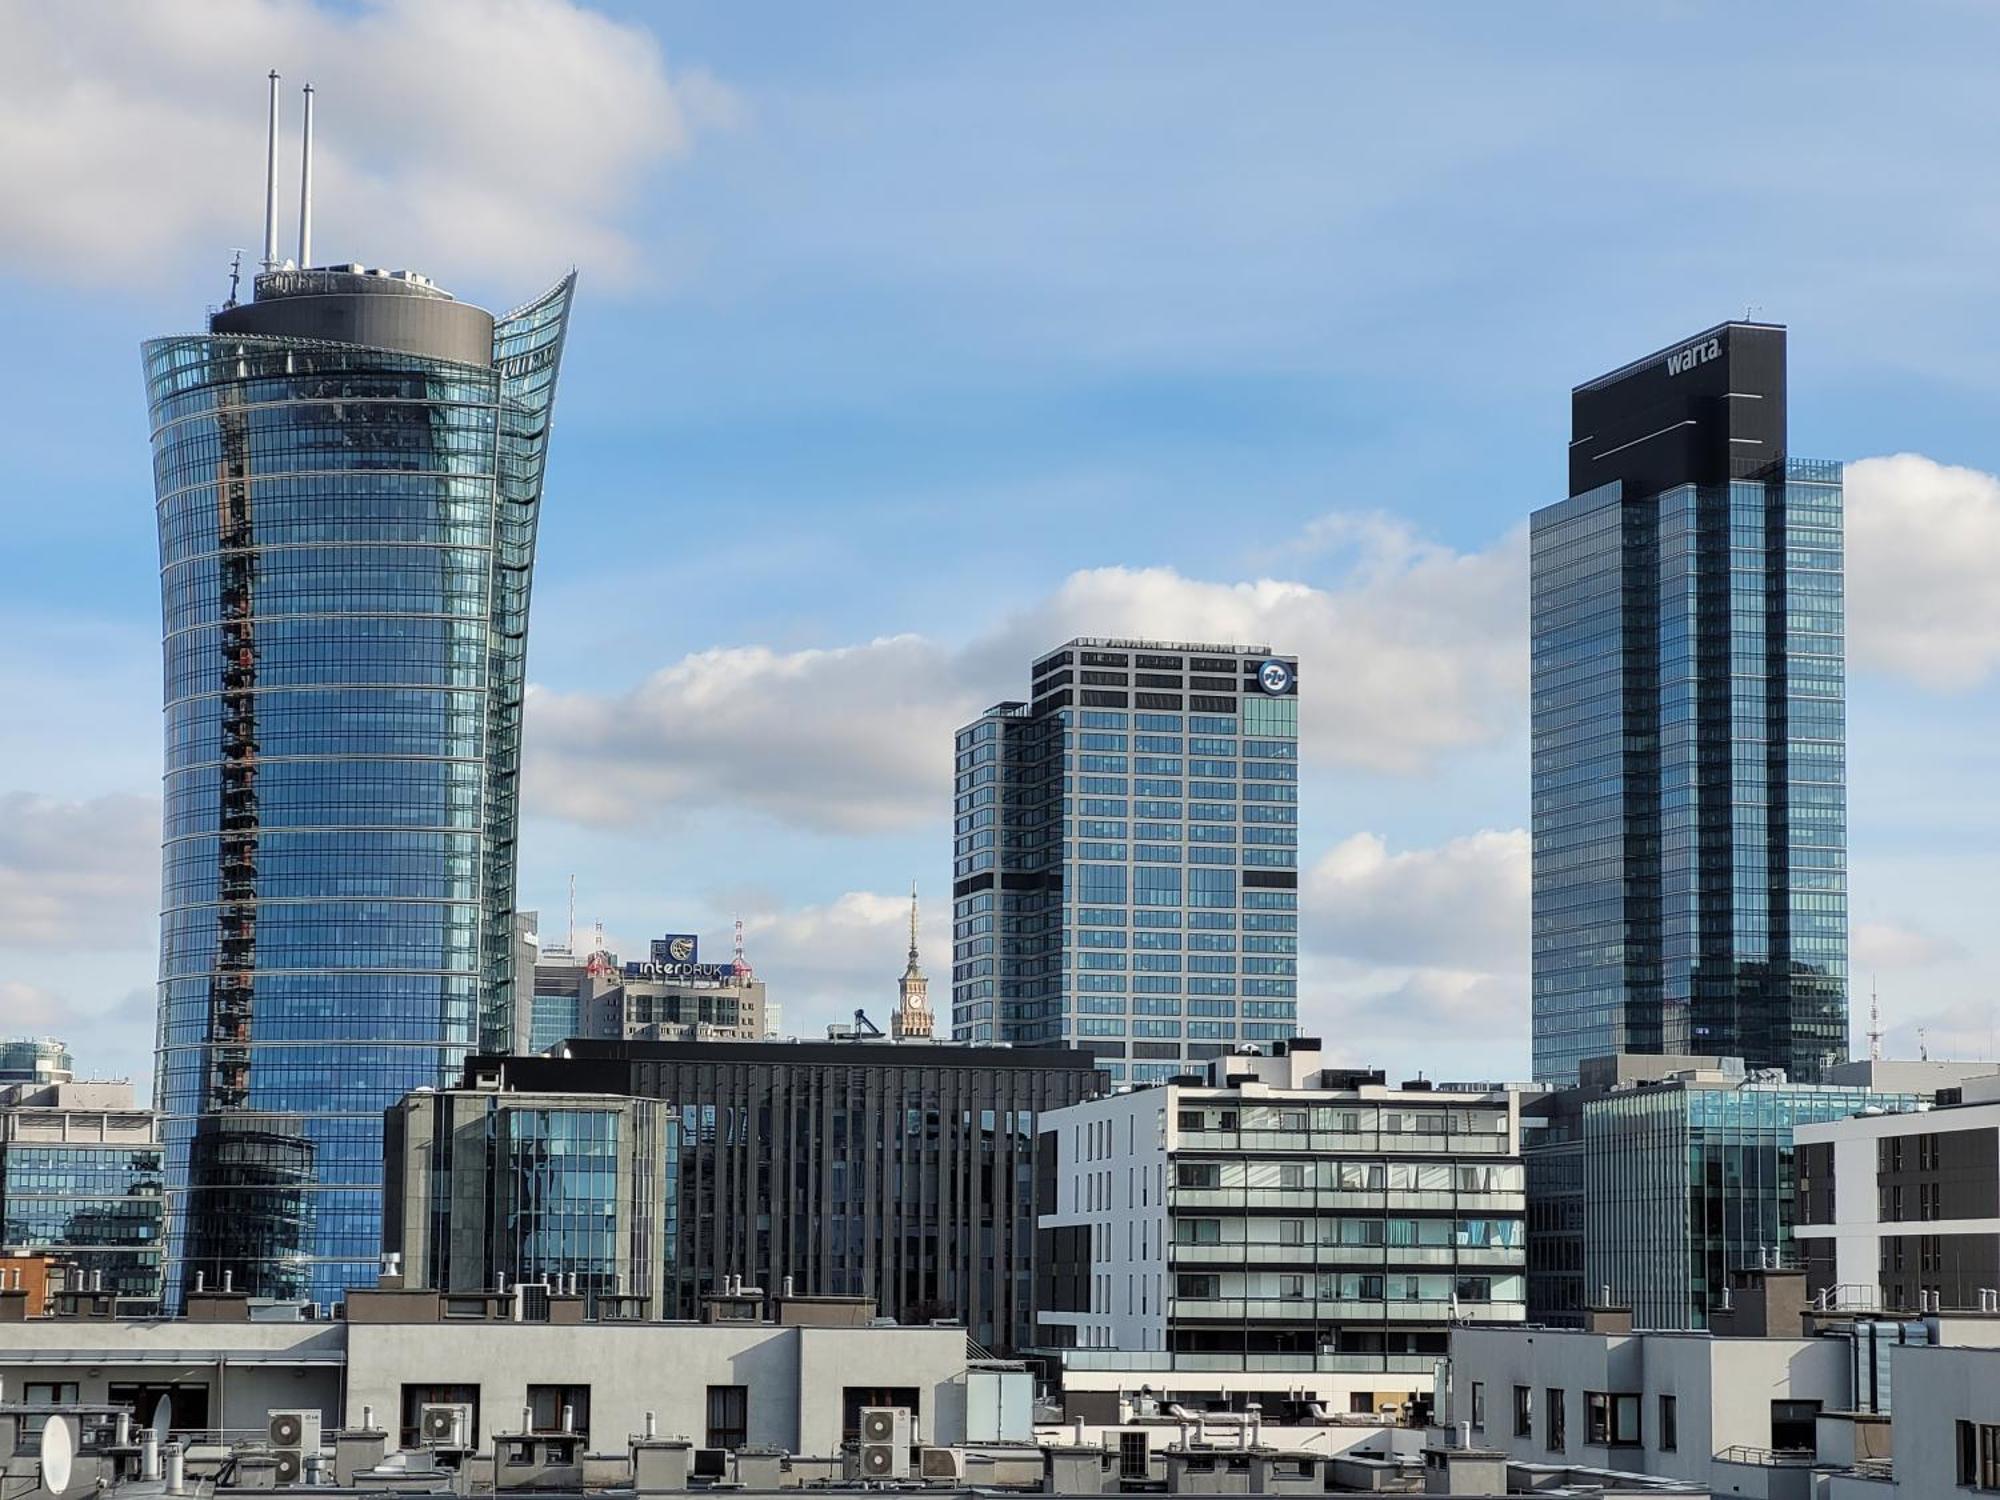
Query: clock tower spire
point(913, 1020)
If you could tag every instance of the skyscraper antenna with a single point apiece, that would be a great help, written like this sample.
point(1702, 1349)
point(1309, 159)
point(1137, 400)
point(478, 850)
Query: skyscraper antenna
point(271, 182)
point(306, 185)
point(572, 914)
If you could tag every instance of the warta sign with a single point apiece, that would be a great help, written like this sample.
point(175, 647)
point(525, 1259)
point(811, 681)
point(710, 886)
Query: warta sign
point(1700, 352)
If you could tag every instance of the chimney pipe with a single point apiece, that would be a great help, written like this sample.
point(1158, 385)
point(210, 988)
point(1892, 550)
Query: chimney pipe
point(201, 1281)
point(568, 1418)
point(271, 182)
point(652, 1426)
point(306, 185)
point(149, 1454)
point(786, 1287)
point(527, 1420)
point(176, 1470)
point(367, 1419)
point(229, 1281)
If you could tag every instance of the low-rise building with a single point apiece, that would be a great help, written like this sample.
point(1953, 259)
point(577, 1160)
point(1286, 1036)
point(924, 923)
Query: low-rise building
point(1656, 1177)
point(670, 996)
point(1277, 1219)
point(903, 1172)
point(796, 1382)
point(81, 1180)
point(1668, 1403)
point(484, 1187)
point(1903, 1209)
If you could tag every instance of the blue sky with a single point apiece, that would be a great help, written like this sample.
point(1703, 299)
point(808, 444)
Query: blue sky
point(911, 340)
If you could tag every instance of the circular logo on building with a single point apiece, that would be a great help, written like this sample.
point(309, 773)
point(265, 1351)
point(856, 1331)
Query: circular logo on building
point(681, 949)
point(1274, 677)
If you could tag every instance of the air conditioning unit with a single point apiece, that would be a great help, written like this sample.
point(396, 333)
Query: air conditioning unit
point(940, 1463)
point(885, 1424)
point(885, 1442)
point(291, 1466)
point(294, 1431)
point(445, 1425)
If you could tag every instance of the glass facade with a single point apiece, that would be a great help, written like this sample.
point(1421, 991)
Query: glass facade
point(553, 1019)
point(97, 1205)
point(346, 536)
point(1684, 1185)
point(1125, 856)
point(1690, 876)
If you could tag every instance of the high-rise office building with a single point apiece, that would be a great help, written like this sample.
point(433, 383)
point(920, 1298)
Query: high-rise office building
point(349, 472)
point(1125, 856)
point(1690, 868)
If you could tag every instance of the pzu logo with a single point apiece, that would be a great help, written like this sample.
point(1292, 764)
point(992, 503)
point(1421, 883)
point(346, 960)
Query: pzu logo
point(1274, 677)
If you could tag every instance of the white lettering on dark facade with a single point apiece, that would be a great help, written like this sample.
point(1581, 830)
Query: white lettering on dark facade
point(1698, 353)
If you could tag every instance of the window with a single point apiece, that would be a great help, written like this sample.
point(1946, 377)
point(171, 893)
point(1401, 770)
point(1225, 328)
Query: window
point(547, 1403)
point(1291, 1288)
point(1553, 1420)
point(1524, 1411)
point(1610, 1417)
point(1197, 1174)
point(416, 1397)
point(1197, 1231)
point(189, 1410)
point(1479, 1404)
point(1133, 1455)
point(1198, 1288)
point(728, 1416)
point(1670, 1424)
point(1979, 1455)
point(1793, 1425)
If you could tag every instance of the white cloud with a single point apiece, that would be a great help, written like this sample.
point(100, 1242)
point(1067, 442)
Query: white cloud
point(1419, 953)
point(133, 140)
point(78, 874)
point(824, 962)
point(1464, 902)
point(1923, 565)
point(1409, 651)
point(846, 739)
point(29, 1009)
point(1890, 945)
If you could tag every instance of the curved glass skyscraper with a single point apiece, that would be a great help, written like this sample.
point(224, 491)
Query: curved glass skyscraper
point(349, 470)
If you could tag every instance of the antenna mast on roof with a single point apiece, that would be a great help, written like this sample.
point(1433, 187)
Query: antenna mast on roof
point(306, 185)
point(572, 914)
point(271, 181)
point(1874, 1022)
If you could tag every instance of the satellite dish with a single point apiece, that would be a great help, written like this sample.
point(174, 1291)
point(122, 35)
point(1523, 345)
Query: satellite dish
point(58, 1454)
point(163, 1417)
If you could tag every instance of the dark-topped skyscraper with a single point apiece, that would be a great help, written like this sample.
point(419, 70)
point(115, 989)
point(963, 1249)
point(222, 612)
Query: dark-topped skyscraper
point(1125, 856)
point(1690, 833)
point(348, 473)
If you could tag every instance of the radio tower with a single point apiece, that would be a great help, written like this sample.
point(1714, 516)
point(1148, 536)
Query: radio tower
point(742, 966)
point(1874, 1022)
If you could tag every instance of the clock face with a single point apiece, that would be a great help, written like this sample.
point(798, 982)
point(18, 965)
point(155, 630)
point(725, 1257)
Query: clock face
point(1274, 677)
point(681, 949)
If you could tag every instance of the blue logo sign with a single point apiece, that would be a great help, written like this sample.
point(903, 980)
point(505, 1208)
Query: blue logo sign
point(1274, 677)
